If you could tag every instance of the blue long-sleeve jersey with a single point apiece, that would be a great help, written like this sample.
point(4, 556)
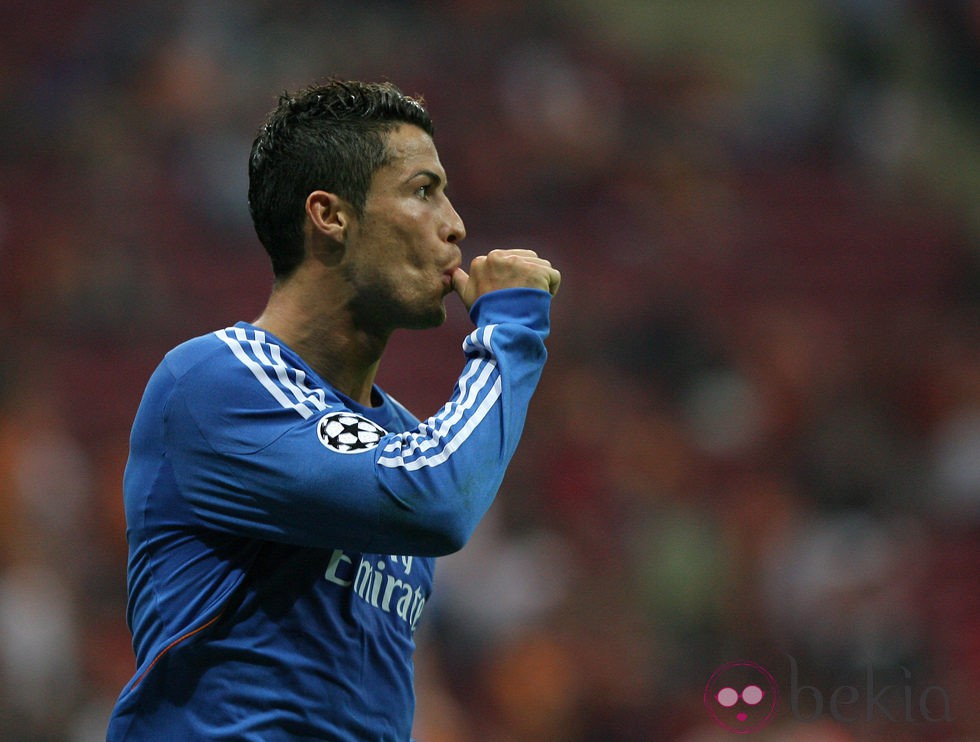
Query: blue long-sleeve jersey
point(282, 537)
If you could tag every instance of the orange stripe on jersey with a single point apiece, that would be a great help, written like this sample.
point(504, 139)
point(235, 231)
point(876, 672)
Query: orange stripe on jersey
point(170, 646)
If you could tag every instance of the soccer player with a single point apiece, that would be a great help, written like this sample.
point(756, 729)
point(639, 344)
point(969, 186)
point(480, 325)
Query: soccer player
point(283, 512)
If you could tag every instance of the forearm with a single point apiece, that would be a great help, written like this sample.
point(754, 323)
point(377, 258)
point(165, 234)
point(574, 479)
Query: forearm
point(442, 477)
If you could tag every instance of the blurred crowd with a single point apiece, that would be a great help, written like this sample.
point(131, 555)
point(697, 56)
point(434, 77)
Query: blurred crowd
point(758, 435)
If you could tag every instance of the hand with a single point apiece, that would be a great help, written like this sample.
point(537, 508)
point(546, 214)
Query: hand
point(505, 269)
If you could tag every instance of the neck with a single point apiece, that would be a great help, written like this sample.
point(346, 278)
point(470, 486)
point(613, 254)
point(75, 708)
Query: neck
point(323, 335)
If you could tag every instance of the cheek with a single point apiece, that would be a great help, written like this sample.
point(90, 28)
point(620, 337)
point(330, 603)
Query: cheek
point(412, 249)
point(397, 240)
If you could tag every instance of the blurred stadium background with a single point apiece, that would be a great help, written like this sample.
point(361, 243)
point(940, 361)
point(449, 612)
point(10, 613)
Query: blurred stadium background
point(759, 432)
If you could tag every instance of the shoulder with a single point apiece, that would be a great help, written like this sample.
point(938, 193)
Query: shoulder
point(239, 389)
point(191, 354)
point(246, 368)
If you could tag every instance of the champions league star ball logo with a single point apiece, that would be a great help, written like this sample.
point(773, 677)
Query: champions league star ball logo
point(742, 697)
point(345, 432)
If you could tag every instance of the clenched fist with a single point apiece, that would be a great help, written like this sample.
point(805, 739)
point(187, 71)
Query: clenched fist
point(505, 269)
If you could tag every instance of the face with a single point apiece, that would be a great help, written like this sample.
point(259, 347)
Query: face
point(401, 253)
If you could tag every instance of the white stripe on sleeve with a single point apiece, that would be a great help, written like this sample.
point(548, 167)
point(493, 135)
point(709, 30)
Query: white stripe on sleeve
point(273, 373)
point(434, 441)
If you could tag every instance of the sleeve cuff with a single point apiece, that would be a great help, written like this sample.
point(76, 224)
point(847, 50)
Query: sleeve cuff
point(523, 306)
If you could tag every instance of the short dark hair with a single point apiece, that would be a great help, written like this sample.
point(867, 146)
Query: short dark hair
point(331, 136)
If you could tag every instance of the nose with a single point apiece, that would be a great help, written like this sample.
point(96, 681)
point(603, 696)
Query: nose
point(455, 230)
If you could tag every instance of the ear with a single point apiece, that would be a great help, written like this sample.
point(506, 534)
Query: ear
point(329, 215)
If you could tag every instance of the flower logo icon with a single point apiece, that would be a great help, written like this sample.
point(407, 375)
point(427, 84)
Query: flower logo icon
point(741, 696)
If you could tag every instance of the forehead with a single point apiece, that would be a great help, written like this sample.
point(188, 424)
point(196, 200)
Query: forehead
point(410, 148)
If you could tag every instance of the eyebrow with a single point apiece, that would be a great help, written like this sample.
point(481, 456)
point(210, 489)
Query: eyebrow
point(434, 177)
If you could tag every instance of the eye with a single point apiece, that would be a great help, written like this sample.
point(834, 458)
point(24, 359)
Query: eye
point(423, 191)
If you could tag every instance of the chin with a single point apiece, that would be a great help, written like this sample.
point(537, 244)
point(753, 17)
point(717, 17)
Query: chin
point(425, 320)
point(381, 313)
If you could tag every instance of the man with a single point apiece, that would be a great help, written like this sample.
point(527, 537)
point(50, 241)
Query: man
point(283, 511)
